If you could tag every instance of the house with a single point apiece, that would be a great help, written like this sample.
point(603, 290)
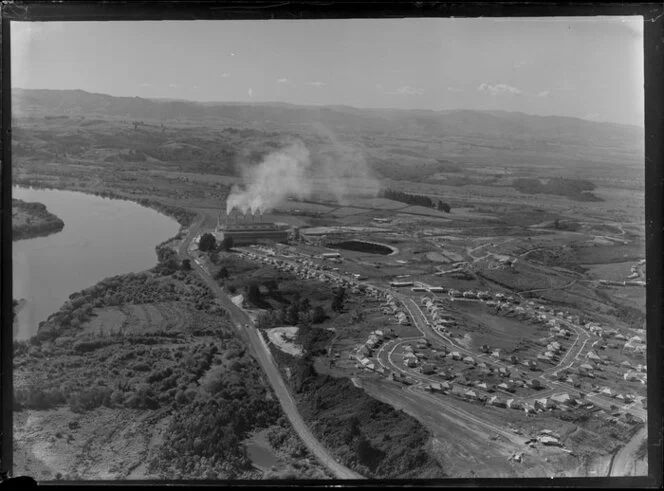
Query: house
point(497, 401)
point(446, 386)
point(482, 385)
point(455, 355)
point(505, 386)
point(435, 387)
point(365, 362)
point(528, 409)
point(513, 404)
point(469, 359)
point(548, 440)
point(544, 403)
point(485, 348)
point(514, 359)
point(470, 394)
point(534, 383)
point(607, 392)
point(365, 351)
point(503, 372)
point(563, 398)
point(496, 353)
point(626, 364)
point(410, 362)
point(593, 356)
point(631, 376)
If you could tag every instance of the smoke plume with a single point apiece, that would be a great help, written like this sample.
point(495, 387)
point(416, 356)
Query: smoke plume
point(280, 175)
point(334, 170)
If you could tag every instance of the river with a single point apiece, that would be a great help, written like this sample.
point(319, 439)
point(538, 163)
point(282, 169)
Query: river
point(102, 237)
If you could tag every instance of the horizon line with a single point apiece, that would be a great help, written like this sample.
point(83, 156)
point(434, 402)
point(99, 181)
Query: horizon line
point(189, 101)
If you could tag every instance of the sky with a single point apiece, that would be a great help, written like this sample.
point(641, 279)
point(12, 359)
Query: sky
point(586, 67)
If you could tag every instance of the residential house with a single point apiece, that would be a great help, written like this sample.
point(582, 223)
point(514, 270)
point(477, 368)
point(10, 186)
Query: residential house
point(513, 404)
point(563, 398)
point(607, 392)
point(497, 401)
point(470, 394)
point(544, 403)
point(469, 359)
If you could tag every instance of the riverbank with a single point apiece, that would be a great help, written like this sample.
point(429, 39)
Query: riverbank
point(183, 216)
point(31, 220)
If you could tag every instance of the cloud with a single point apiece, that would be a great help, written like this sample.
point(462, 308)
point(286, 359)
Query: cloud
point(173, 86)
point(225, 75)
point(544, 93)
point(146, 85)
point(408, 90)
point(455, 89)
point(251, 93)
point(318, 84)
point(499, 89)
point(282, 80)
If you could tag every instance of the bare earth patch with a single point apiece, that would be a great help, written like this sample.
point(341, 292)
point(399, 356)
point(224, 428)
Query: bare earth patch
point(281, 337)
point(101, 444)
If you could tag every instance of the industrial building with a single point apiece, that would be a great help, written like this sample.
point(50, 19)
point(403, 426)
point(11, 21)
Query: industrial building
point(248, 228)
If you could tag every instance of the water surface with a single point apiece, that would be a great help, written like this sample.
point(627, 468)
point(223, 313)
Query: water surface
point(102, 237)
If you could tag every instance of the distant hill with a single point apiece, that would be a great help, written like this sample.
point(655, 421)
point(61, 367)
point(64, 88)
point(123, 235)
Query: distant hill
point(341, 119)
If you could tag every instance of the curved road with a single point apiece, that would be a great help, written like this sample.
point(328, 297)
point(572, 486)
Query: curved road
point(239, 318)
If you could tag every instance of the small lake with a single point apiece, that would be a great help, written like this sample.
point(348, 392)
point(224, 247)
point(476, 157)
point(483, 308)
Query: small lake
point(362, 246)
point(102, 237)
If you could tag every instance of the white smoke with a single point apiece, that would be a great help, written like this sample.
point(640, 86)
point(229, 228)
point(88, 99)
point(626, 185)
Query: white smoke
point(282, 174)
point(339, 170)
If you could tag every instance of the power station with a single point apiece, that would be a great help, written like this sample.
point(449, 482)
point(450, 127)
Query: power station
point(248, 228)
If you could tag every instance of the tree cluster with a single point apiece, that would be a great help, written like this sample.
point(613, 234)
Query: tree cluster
point(414, 199)
point(338, 300)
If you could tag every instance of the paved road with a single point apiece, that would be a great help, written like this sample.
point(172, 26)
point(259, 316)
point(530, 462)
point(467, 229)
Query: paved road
point(239, 318)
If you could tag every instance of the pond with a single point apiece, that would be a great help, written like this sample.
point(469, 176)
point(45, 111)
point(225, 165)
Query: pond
point(102, 237)
point(362, 246)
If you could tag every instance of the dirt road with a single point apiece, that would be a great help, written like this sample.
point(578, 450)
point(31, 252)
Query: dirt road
point(625, 461)
point(240, 319)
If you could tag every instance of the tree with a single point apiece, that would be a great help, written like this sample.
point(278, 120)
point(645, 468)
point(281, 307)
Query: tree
point(338, 300)
point(318, 315)
point(227, 243)
point(272, 286)
point(222, 274)
point(305, 304)
point(186, 265)
point(293, 314)
point(207, 242)
point(253, 293)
